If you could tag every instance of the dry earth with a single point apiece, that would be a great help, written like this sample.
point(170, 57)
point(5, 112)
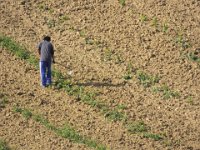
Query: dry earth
point(98, 40)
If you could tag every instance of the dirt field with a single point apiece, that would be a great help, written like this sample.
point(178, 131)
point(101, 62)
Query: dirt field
point(102, 42)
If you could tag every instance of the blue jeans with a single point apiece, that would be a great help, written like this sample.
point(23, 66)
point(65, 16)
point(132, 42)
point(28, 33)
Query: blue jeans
point(45, 73)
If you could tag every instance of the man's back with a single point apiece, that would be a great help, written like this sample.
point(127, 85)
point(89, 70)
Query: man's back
point(46, 51)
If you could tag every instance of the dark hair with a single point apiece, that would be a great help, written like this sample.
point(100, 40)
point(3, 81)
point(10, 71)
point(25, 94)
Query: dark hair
point(47, 38)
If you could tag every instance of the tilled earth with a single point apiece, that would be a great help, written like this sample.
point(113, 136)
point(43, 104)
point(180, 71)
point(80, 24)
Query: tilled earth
point(99, 40)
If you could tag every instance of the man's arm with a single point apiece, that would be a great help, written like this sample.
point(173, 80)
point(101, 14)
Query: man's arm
point(52, 54)
point(39, 48)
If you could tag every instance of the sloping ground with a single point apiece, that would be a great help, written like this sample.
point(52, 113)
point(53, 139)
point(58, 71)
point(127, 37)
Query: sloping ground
point(92, 37)
point(21, 90)
point(20, 133)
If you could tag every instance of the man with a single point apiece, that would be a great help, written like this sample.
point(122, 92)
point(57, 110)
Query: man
point(46, 52)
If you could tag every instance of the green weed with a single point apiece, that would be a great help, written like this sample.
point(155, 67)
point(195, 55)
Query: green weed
point(167, 92)
point(118, 59)
point(63, 18)
point(89, 41)
point(12, 46)
point(42, 7)
point(155, 22)
point(127, 76)
point(50, 10)
point(191, 56)
point(122, 2)
point(51, 23)
point(33, 61)
point(190, 100)
point(107, 55)
point(137, 127)
point(82, 34)
point(165, 27)
point(3, 100)
point(182, 42)
point(65, 132)
point(17, 109)
point(145, 79)
point(26, 113)
point(3, 145)
point(156, 137)
point(143, 18)
point(121, 106)
point(115, 115)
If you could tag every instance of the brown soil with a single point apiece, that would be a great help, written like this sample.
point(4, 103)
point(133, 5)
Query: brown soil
point(120, 30)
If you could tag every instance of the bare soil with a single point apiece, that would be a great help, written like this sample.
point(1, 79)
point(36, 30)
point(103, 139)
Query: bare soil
point(98, 40)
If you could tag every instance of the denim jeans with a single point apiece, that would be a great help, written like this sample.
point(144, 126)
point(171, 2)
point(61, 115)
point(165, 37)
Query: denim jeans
point(45, 73)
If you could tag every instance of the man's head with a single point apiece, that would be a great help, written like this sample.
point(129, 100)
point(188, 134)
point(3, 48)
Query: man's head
point(47, 38)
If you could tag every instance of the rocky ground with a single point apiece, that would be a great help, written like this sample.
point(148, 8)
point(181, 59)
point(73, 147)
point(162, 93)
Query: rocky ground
point(100, 41)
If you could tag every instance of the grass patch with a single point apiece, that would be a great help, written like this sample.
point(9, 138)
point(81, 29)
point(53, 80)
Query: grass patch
point(137, 127)
point(192, 57)
point(63, 18)
point(190, 100)
point(145, 79)
point(51, 23)
point(65, 132)
point(89, 41)
point(143, 18)
point(155, 22)
point(122, 2)
point(155, 137)
point(18, 50)
point(3, 100)
point(182, 41)
point(115, 115)
point(165, 27)
point(3, 145)
point(167, 92)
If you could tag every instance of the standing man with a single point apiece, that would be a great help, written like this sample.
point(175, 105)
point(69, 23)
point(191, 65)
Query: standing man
point(46, 52)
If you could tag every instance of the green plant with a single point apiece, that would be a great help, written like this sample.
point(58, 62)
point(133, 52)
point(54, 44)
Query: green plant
point(65, 132)
point(17, 109)
point(89, 41)
point(26, 113)
point(167, 92)
point(121, 106)
point(33, 60)
point(182, 41)
point(107, 55)
point(122, 2)
point(82, 34)
point(156, 137)
point(191, 56)
point(155, 22)
point(165, 27)
point(3, 100)
point(143, 18)
point(137, 127)
point(190, 100)
point(3, 145)
point(145, 79)
point(63, 18)
point(42, 6)
point(118, 59)
point(115, 115)
point(50, 10)
point(51, 23)
point(15, 48)
point(127, 76)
